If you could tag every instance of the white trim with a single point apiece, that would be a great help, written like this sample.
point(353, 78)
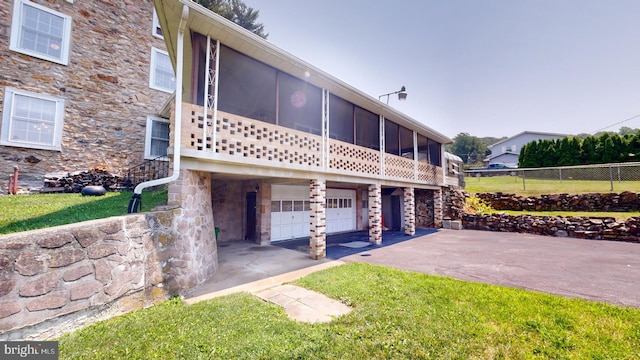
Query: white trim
point(156, 25)
point(147, 138)
point(16, 32)
point(8, 123)
point(152, 71)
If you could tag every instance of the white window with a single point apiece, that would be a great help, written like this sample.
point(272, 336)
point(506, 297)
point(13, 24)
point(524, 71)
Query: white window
point(40, 32)
point(157, 139)
point(156, 30)
point(162, 76)
point(31, 120)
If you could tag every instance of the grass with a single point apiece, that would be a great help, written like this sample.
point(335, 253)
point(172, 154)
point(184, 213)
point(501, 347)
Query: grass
point(396, 315)
point(37, 211)
point(537, 187)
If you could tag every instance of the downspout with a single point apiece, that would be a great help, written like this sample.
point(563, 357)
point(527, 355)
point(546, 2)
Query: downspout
point(135, 202)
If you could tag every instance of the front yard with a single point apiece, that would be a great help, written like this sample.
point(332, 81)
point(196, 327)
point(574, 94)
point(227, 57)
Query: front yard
point(397, 315)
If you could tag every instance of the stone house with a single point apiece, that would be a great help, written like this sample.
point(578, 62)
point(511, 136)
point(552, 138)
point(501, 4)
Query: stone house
point(267, 147)
point(81, 86)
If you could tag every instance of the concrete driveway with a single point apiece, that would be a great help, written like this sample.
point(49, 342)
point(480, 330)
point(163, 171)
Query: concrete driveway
point(598, 270)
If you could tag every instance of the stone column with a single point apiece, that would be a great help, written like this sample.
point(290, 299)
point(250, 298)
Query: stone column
point(318, 229)
point(193, 255)
point(375, 214)
point(409, 212)
point(438, 210)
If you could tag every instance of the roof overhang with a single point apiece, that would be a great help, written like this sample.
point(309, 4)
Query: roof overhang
point(207, 22)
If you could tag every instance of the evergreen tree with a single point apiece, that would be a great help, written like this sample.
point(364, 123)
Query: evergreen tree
point(633, 147)
point(588, 152)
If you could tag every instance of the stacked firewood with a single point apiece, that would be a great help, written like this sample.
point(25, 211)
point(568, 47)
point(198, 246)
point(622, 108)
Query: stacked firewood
point(74, 182)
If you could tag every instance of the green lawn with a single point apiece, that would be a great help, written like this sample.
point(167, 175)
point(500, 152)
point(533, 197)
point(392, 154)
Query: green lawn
point(37, 211)
point(397, 315)
point(536, 187)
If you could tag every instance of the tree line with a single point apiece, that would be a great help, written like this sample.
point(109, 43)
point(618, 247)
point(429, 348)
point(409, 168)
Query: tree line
point(599, 149)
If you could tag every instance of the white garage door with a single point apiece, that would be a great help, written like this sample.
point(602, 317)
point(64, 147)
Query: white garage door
point(289, 212)
point(341, 210)
point(290, 209)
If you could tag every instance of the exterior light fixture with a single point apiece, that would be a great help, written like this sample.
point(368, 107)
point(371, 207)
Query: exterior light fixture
point(402, 94)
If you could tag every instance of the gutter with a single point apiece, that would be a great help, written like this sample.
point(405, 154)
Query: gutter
point(135, 202)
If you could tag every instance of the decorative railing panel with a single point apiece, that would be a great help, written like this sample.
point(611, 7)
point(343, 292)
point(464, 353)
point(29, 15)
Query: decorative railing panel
point(253, 139)
point(248, 138)
point(429, 173)
point(398, 167)
point(349, 157)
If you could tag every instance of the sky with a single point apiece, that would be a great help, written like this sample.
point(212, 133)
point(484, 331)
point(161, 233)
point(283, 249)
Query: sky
point(483, 67)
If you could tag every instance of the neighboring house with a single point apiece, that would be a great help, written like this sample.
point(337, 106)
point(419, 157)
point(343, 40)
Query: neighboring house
point(81, 86)
point(507, 151)
point(271, 148)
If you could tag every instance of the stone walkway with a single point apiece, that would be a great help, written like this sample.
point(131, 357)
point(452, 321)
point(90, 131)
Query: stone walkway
point(304, 305)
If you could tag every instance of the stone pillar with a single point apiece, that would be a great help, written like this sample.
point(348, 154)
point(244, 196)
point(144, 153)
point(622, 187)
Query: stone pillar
point(375, 214)
point(193, 255)
point(409, 212)
point(318, 229)
point(438, 210)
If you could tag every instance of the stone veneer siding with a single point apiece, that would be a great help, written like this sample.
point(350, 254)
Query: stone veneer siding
point(375, 214)
point(409, 212)
point(228, 200)
point(61, 278)
point(318, 219)
point(193, 254)
point(105, 87)
point(424, 208)
point(438, 208)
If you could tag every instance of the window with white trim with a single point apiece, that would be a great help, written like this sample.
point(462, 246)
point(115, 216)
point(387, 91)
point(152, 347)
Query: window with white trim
point(157, 138)
point(162, 75)
point(31, 120)
point(156, 30)
point(40, 32)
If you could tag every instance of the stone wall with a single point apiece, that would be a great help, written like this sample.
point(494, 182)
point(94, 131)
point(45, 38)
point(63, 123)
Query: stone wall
point(67, 276)
point(576, 227)
point(227, 198)
point(623, 202)
point(105, 87)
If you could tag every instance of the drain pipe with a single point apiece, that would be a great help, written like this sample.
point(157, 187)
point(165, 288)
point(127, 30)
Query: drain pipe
point(136, 200)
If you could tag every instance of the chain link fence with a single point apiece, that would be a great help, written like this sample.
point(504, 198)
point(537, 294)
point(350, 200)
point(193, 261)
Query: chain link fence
point(601, 177)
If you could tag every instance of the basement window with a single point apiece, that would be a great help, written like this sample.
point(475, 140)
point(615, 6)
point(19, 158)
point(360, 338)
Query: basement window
point(31, 120)
point(157, 137)
point(40, 32)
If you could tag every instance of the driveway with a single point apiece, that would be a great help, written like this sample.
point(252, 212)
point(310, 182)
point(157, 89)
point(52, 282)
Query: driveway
point(598, 270)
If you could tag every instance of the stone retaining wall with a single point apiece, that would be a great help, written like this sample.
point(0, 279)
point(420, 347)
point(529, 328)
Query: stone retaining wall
point(62, 278)
point(625, 201)
point(576, 227)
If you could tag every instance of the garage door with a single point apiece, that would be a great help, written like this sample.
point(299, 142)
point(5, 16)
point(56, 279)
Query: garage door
point(289, 212)
point(290, 208)
point(341, 210)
